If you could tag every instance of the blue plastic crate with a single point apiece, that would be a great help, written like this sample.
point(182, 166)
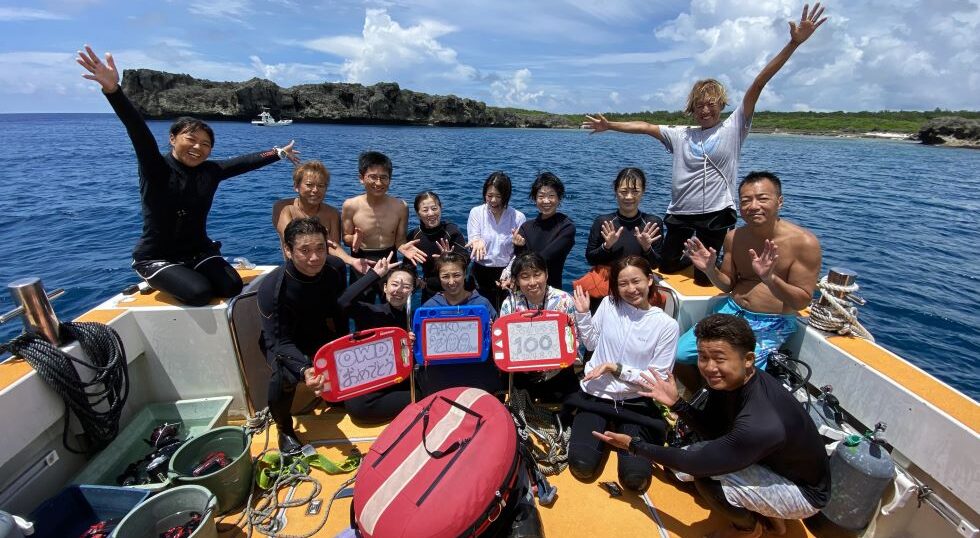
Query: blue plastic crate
point(71, 512)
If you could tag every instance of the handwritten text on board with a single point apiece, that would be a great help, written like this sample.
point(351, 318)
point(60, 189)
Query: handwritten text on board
point(533, 341)
point(358, 365)
point(452, 338)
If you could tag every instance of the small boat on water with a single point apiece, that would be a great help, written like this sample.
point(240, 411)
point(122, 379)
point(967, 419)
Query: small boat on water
point(265, 119)
point(175, 352)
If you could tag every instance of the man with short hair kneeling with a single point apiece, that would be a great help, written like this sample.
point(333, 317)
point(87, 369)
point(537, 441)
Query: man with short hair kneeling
point(762, 455)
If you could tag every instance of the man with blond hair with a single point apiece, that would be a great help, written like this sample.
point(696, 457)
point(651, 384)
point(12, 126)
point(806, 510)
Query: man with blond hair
point(702, 201)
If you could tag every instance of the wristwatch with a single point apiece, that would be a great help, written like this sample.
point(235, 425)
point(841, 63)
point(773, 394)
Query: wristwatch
point(634, 442)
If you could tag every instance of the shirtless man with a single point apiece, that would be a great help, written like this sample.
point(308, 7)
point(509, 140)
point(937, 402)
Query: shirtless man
point(374, 223)
point(311, 181)
point(770, 269)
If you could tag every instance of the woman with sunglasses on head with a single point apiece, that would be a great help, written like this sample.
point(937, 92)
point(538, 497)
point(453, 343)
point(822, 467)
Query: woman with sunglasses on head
point(629, 336)
point(174, 253)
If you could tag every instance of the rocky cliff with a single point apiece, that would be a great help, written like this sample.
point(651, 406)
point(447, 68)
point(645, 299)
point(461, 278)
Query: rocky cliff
point(951, 131)
point(166, 95)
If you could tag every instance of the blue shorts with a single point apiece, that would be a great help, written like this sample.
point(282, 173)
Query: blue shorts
point(771, 330)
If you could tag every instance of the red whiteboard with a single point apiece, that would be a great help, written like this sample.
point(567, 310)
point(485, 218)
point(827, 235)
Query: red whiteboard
point(533, 341)
point(364, 362)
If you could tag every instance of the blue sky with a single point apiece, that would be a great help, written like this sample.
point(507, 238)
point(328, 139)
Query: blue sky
point(563, 56)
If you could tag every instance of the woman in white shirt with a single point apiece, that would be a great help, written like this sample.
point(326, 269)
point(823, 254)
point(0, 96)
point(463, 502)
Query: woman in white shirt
point(629, 336)
point(490, 233)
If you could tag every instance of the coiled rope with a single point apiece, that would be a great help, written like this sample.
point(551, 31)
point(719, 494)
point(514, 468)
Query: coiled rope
point(841, 315)
point(96, 402)
point(542, 432)
point(263, 512)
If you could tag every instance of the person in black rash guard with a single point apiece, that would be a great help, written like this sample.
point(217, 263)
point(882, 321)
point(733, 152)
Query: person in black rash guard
point(551, 234)
point(762, 455)
point(298, 304)
point(399, 283)
point(431, 239)
point(627, 231)
point(174, 253)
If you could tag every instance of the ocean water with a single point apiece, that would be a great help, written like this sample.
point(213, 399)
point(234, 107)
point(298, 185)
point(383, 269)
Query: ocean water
point(903, 216)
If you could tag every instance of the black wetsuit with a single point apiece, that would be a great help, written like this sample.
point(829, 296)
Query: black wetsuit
point(627, 245)
point(370, 294)
point(428, 238)
point(299, 315)
point(552, 238)
point(762, 423)
point(174, 253)
point(385, 404)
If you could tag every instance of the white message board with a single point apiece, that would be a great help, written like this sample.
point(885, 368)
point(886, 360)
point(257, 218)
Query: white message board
point(449, 339)
point(534, 340)
point(361, 364)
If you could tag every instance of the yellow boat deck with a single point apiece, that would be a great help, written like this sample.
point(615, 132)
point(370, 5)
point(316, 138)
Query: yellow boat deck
point(581, 508)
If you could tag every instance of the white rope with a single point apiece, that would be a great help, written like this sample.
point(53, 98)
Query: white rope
point(841, 316)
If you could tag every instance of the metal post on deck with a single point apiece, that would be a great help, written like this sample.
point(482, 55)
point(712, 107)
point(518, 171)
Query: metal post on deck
point(35, 307)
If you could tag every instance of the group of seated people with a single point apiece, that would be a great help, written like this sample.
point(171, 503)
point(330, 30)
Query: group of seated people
point(761, 459)
point(755, 432)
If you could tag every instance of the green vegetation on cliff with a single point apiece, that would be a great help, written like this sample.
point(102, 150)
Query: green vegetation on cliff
point(809, 122)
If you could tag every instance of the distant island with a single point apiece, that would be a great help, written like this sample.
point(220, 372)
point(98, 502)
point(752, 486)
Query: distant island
point(160, 95)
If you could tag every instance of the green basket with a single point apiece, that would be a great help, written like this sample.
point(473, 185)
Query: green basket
point(195, 416)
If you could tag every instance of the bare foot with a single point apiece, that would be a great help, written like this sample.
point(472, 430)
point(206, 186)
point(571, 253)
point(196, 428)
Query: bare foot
point(775, 526)
point(732, 532)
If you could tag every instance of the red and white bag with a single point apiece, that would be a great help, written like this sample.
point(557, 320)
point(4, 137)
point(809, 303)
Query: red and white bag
point(447, 466)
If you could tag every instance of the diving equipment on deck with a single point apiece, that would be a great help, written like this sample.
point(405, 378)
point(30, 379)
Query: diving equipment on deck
point(861, 469)
point(836, 309)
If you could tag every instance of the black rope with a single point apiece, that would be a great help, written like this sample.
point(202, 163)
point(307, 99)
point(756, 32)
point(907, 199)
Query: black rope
point(97, 403)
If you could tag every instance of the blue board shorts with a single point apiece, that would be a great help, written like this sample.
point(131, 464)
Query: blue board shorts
point(771, 330)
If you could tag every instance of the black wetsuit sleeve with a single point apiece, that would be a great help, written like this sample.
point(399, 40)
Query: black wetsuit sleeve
point(340, 317)
point(277, 329)
point(234, 166)
point(457, 241)
point(147, 150)
point(347, 300)
point(654, 254)
point(595, 253)
point(748, 442)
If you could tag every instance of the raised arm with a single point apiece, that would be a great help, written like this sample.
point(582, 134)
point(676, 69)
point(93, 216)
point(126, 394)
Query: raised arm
point(106, 74)
point(809, 22)
point(599, 123)
point(253, 161)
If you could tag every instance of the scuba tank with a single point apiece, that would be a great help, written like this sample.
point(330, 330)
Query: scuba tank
point(860, 470)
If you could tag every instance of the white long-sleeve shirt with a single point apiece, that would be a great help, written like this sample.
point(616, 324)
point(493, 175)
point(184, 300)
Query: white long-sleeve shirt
point(495, 233)
point(637, 339)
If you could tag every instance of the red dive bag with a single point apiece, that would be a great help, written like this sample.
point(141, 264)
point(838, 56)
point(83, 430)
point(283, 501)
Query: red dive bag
point(447, 466)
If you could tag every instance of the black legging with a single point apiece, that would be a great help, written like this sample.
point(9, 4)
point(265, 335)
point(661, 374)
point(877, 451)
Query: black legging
point(710, 228)
point(196, 286)
point(585, 452)
point(380, 406)
point(486, 283)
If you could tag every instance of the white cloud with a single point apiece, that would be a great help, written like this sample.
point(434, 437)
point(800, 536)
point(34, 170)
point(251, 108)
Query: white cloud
point(9, 14)
point(515, 90)
point(615, 98)
point(387, 51)
point(288, 74)
point(233, 10)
